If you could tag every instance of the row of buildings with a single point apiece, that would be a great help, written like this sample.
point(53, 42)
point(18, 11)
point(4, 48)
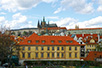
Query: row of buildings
point(49, 42)
point(57, 48)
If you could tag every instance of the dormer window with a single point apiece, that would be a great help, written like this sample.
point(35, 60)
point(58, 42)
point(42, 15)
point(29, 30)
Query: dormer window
point(29, 41)
point(37, 41)
point(60, 41)
point(20, 39)
point(52, 41)
point(67, 41)
point(43, 41)
point(71, 41)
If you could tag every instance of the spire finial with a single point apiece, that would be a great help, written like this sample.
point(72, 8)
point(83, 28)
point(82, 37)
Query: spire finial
point(43, 19)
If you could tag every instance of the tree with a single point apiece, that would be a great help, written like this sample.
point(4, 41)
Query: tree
point(30, 32)
point(8, 46)
point(13, 33)
point(25, 33)
point(99, 48)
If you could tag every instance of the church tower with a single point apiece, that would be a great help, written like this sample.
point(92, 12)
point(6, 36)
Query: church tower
point(43, 23)
point(38, 24)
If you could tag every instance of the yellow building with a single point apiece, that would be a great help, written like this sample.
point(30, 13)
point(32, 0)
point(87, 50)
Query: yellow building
point(91, 46)
point(49, 48)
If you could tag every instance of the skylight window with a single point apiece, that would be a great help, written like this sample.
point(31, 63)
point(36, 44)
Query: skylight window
point(67, 41)
point(29, 41)
point(52, 41)
point(60, 41)
point(43, 41)
point(37, 41)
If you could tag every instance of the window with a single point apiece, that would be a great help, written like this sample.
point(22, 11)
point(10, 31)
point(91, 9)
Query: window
point(23, 55)
point(52, 41)
point(67, 41)
point(36, 55)
point(75, 48)
point(48, 48)
point(52, 48)
point(43, 41)
point(52, 54)
point(28, 48)
point(57, 48)
point(48, 54)
point(69, 48)
point(57, 54)
point(42, 48)
point(62, 48)
point(69, 54)
point(36, 48)
point(75, 54)
point(23, 48)
point(28, 55)
point(42, 54)
point(29, 41)
point(80, 42)
point(70, 41)
point(60, 41)
point(20, 39)
point(37, 41)
point(62, 54)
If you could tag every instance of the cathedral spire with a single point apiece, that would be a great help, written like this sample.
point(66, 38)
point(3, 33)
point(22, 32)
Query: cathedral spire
point(43, 19)
point(38, 24)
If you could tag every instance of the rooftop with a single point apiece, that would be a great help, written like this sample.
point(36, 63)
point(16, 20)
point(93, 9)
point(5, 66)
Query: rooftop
point(93, 55)
point(34, 39)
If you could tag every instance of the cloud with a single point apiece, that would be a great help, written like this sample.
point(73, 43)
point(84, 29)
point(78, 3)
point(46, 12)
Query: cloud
point(58, 10)
point(71, 22)
point(52, 17)
point(15, 5)
point(2, 13)
point(19, 18)
point(49, 1)
point(99, 9)
point(100, 6)
point(80, 6)
point(2, 19)
point(65, 22)
point(18, 21)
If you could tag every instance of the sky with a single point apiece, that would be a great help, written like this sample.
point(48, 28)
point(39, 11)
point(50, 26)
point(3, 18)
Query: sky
point(17, 14)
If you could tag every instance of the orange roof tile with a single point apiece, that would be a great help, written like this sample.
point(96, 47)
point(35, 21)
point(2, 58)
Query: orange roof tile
point(55, 28)
point(34, 37)
point(92, 55)
point(86, 35)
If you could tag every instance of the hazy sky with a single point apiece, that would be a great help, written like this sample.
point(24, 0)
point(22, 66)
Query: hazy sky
point(66, 13)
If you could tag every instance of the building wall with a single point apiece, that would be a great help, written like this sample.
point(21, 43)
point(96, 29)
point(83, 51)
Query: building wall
point(21, 31)
point(94, 31)
point(45, 52)
point(90, 47)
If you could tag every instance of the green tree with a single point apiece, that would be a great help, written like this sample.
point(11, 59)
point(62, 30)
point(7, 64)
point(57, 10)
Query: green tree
point(30, 32)
point(99, 48)
point(13, 33)
point(25, 33)
point(7, 46)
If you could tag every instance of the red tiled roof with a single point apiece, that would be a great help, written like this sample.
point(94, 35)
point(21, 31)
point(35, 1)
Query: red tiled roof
point(92, 55)
point(85, 29)
point(86, 35)
point(34, 37)
point(55, 28)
